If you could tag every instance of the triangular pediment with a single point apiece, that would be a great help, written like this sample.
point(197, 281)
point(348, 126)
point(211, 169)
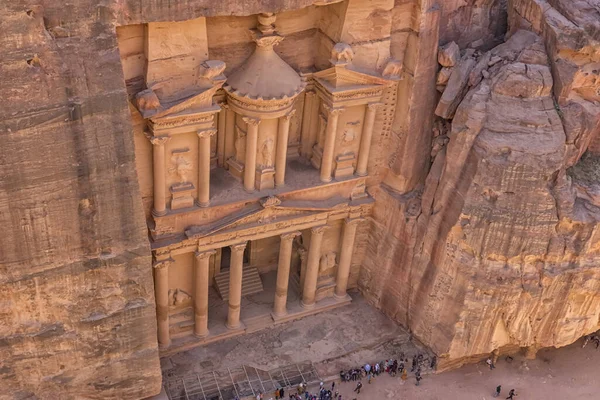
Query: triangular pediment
point(255, 215)
point(343, 78)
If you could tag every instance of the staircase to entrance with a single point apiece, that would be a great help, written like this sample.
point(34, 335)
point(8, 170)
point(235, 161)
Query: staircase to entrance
point(251, 282)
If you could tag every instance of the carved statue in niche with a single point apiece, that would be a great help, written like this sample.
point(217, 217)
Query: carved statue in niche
point(322, 128)
point(267, 152)
point(180, 165)
point(178, 297)
point(350, 131)
point(342, 54)
point(240, 143)
point(327, 264)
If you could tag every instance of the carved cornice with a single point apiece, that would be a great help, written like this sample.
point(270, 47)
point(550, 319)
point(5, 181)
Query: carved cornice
point(206, 133)
point(290, 235)
point(180, 121)
point(204, 254)
point(159, 140)
point(251, 121)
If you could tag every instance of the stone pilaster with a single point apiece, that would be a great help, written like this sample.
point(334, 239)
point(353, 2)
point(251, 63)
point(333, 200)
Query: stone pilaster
point(204, 166)
point(221, 127)
point(282, 143)
point(235, 285)
point(283, 273)
point(161, 294)
point(366, 138)
point(307, 116)
point(201, 287)
point(251, 147)
point(329, 146)
point(312, 267)
point(158, 173)
point(346, 250)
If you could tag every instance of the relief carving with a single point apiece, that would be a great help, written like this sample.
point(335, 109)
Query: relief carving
point(327, 264)
point(180, 166)
point(342, 54)
point(240, 143)
point(267, 152)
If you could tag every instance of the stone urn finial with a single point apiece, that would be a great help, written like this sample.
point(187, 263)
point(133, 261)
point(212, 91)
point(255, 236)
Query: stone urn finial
point(341, 54)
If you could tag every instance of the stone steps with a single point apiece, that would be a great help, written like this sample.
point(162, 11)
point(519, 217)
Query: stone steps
point(255, 324)
point(251, 282)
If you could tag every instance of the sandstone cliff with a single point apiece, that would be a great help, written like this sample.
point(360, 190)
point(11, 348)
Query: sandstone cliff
point(500, 249)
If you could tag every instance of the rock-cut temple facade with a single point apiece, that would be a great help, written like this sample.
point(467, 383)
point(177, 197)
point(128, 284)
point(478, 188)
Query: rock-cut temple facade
point(258, 171)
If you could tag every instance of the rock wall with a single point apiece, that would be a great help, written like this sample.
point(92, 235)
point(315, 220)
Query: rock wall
point(501, 249)
point(77, 312)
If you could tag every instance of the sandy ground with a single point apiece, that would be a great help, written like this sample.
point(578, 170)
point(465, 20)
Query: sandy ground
point(566, 373)
point(351, 335)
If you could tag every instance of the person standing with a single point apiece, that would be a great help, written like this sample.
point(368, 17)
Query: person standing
point(418, 378)
point(498, 390)
point(511, 394)
point(358, 387)
point(490, 363)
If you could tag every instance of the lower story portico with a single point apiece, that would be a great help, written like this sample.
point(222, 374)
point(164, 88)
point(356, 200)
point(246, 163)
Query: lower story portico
point(215, 281)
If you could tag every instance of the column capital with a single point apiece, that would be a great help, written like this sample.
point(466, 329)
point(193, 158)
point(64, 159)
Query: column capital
point(162, 264)
point(223, 104)
point(206, 133)
point(204, 254)
point(159, 140)
point(333, 111)
point(289, 115)
point(290, 235)
point(353, 221)
point(319, 229)
point(251, 121)
point(374, 106)
point(238, 246)
point(310, 93)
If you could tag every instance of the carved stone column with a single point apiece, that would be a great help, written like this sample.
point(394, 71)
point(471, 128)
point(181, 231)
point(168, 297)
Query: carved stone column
point(158, 165)
point(329, 146)
point(365, 140)
point(251, 147)
point(307, 115)
point(282, 143)
point(221, 126)
point(201, 284)
point(283, 273)
point(204, 166)
point(346, 250)
point(161, 294)
point(312, 267)
point(235, 285)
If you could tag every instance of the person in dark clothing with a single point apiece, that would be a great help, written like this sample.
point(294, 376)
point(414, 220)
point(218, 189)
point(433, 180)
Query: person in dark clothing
point(358, 387)
point(498, 390)
point(281, 393)
point(511, 394)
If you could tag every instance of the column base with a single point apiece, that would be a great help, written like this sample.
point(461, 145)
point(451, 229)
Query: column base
point(239, 325)
point(326, 180)
point(361, 173)
point(307, 306)
point(159, 213)
point(250, 190)
point(202, 336)
point(342, 298)
point(164, 345)
point(203, 205)
point(280, 185)
point(279, 316)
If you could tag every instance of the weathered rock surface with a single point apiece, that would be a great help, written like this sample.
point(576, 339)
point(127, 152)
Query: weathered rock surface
point(449, 55)
point(500, 247)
